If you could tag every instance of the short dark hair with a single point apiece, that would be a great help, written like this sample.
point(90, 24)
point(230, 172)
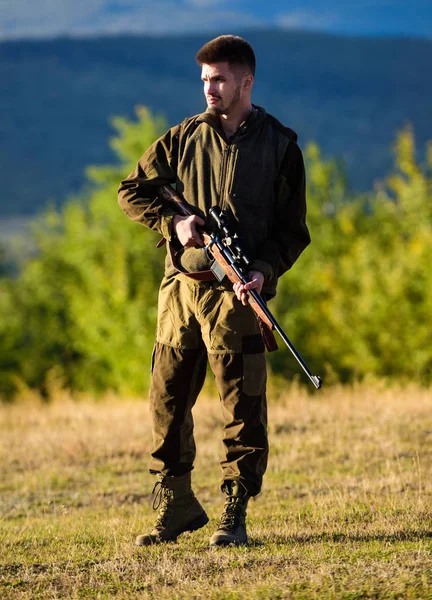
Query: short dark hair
point(228, 48)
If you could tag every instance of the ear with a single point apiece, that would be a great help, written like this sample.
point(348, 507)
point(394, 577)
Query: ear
point(248, 82)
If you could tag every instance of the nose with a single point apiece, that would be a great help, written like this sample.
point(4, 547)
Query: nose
point(209, 88)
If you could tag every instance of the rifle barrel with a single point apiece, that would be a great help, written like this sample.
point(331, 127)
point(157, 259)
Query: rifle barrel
point(315, 379)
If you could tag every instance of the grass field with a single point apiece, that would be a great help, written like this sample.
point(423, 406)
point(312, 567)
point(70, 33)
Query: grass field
point(345, 511)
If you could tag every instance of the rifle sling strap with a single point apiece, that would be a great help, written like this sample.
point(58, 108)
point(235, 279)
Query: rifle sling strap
point(267, 335)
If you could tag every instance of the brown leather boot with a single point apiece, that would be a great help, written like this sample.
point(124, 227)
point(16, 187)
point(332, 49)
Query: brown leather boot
point(178, 510)
point(232, 526)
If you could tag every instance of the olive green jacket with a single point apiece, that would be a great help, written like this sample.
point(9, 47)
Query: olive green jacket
point(258, 174)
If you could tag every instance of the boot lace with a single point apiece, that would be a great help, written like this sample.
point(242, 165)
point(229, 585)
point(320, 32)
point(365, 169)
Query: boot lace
point(232, 515)
point(162, 502)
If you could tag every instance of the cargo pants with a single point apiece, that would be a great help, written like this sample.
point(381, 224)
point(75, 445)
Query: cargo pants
point(200, 321)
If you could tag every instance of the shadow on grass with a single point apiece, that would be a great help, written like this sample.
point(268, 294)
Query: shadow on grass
point(316, 538)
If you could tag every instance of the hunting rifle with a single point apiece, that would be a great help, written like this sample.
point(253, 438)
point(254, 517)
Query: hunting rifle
point(230, 260)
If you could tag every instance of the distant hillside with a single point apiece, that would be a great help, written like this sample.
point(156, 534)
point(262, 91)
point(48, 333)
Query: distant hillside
point(350, 95)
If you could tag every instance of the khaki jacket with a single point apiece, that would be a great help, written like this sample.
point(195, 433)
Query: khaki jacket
point(258, 174)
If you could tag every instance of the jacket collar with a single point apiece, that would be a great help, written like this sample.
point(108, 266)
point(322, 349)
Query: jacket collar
point(253, 121)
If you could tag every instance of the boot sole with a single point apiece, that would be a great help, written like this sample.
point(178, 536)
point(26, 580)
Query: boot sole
point(196, 523)
point(192, 526)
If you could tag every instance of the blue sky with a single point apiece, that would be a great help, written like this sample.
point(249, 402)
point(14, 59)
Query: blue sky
point(47, 18)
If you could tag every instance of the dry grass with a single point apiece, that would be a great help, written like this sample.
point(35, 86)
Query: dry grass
point(344, 513)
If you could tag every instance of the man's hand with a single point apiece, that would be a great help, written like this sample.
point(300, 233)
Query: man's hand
point(186, 231)
point(256, 282)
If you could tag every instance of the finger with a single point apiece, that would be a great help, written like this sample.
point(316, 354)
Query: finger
point(239, 294)
point(196, 239)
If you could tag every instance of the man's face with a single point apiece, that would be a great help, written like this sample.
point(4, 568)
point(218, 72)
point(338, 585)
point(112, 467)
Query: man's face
point(222, 87)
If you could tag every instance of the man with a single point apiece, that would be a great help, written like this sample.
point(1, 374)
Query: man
point(237, 156)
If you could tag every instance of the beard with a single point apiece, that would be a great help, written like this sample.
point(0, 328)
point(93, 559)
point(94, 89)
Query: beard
point(225, 110)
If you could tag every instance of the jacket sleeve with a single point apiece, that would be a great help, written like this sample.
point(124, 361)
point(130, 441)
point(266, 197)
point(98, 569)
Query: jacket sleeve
point(137, 194)
point(289, 235)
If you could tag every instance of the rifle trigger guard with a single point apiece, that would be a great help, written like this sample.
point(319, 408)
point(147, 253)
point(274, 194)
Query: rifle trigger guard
point(209, 245)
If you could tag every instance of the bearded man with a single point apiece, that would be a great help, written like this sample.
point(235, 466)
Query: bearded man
point(239, 157)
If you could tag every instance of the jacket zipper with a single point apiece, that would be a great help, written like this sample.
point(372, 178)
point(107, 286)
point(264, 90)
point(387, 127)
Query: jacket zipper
point(226, 156)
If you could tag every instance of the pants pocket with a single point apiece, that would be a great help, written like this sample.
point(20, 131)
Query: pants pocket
point(254, 374)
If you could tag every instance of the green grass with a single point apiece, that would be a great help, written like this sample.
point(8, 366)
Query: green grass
point(345, 512)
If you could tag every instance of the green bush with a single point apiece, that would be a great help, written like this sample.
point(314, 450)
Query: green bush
point(82, 312)
point(360, 298)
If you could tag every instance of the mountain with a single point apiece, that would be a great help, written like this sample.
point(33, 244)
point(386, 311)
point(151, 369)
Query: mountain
point(350, 95)
point(51, 18)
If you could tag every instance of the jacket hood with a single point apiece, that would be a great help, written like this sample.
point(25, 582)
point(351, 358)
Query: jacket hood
point(253, 121)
